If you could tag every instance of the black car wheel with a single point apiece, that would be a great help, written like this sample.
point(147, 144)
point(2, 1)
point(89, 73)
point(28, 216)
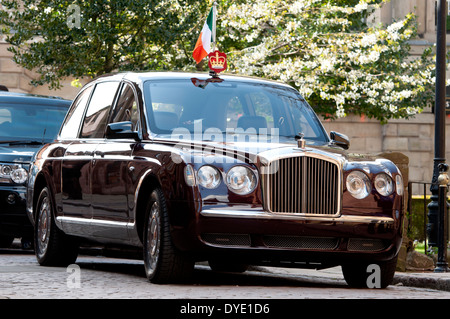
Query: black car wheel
point(163, 262)
point(52, 246)
point(362, 275)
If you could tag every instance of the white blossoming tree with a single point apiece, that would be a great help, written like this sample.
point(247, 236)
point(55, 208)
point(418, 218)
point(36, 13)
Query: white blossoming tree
point(325, 48)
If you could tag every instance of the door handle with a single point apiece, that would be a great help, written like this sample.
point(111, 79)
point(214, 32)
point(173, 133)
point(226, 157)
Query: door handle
point(99, 153)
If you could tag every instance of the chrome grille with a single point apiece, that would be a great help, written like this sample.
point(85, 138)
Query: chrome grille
point(303, 185)
point(299, 242)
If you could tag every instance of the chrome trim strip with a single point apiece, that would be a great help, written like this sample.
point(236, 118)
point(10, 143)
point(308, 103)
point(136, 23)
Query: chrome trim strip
point(275, 154)
point(90, 221)
point(265, 215)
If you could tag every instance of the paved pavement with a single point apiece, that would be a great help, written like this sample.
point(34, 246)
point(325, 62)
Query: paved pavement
point(427, 280)
point(110, 278)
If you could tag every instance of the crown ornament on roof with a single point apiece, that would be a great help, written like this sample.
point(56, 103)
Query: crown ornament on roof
point(217, 61)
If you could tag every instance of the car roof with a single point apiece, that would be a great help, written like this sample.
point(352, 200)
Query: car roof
point(181, 75)
point(14, 97)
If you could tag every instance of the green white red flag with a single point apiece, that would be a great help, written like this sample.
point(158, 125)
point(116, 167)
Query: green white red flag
point(206, 38)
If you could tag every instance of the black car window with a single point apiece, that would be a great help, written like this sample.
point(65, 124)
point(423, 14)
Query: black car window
point(126, 108)
point(97, 114)
point(69, 129)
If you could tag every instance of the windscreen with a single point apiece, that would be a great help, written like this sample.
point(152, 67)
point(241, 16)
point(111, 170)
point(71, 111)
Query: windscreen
point(229, 107)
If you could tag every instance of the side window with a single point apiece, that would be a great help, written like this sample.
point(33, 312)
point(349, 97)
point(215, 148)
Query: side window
point(97, 114)
point(126, 108)
point(71, 124)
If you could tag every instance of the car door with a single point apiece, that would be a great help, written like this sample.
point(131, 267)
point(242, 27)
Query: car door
point(111, 171)
point(77, 161)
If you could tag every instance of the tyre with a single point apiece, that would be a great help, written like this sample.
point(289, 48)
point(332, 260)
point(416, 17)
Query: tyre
point(370, 275)
point(52, 246)
point(164, 263)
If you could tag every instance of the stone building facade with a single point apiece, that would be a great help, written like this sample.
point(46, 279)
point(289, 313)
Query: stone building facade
point(17, 79)
point(414, 137)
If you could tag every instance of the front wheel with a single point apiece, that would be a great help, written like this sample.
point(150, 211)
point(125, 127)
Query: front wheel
point(370, 275)
point(163, 262)
point(52, 246)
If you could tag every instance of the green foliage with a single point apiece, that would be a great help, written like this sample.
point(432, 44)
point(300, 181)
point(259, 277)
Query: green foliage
point(111, 35)
point(417, 218)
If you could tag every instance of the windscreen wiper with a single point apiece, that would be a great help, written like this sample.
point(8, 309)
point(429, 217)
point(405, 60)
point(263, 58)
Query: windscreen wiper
point(26, 143)
point(8, 142)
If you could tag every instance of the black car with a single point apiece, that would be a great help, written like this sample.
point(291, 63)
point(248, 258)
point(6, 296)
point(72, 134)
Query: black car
point(235, 171)
point(26, 123)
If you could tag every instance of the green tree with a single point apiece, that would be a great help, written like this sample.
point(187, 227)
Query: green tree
point(89, 38)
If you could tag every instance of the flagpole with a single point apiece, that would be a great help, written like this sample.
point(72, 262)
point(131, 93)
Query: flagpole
point(214, 25)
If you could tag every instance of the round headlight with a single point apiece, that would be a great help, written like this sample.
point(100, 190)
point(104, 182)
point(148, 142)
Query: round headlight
point(19, 175)
point(399, 184)
point(241, 180)
point(358, 184)
point(384, 184)
point(208, 177)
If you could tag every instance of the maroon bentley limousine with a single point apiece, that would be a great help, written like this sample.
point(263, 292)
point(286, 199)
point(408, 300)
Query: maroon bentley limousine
point(234, 171)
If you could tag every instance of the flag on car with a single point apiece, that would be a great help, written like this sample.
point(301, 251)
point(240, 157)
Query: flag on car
point(207, 36)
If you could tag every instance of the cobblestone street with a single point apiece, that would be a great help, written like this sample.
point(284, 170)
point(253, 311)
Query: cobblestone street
point(107, 278)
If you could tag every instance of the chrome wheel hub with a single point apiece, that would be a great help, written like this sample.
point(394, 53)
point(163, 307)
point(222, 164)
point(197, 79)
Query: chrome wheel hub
point(153, 238)
point(43, 226)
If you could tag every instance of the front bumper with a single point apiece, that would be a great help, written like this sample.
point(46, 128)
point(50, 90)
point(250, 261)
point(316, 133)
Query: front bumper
point(14, 221)
point(259, 237)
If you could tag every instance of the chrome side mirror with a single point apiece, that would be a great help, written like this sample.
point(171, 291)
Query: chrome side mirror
point(340, 140)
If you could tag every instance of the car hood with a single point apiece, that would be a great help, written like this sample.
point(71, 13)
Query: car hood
point(268, 150)
point(18, 153)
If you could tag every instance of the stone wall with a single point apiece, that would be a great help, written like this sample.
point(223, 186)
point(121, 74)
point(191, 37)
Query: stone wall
point(17, 79)
point(13, 76)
